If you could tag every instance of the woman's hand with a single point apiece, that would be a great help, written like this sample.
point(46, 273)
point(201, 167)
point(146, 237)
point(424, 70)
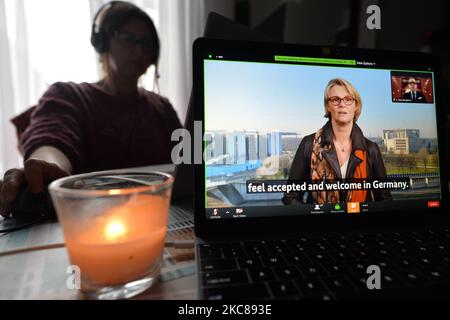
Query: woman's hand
point(36, 173)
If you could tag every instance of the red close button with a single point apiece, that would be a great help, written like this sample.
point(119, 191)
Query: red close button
point(433, 204)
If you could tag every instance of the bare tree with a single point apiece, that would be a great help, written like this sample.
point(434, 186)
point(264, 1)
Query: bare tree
point(423, 155)
point(410, 162)
point(433, 160)
point(402, 162)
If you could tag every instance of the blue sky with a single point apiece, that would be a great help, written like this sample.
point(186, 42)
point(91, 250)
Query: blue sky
point(271, 96)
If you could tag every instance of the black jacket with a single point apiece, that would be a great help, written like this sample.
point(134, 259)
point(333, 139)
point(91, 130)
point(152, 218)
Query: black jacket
point(301, 165)
point(420, 98)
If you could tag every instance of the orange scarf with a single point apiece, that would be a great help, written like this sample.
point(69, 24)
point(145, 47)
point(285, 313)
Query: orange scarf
point(321, 170)
point(360, 173)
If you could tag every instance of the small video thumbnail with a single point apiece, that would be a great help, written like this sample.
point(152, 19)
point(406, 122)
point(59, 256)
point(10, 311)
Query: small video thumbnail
point(412, 87)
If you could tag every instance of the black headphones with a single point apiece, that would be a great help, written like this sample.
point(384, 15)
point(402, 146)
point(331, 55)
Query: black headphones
point(99, 39)
point(99, 36)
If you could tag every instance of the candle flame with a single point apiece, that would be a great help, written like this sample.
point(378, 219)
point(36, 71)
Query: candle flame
point(114, 192)
point(115, 230)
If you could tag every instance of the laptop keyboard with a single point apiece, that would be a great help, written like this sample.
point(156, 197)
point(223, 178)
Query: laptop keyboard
point(411, 263)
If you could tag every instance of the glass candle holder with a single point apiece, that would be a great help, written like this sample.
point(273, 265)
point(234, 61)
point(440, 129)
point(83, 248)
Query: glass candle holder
point(114, 225)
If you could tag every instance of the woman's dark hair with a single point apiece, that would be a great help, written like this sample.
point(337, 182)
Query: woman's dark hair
point(111, 17)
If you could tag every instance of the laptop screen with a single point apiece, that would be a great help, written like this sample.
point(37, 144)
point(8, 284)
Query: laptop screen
point(303, 134)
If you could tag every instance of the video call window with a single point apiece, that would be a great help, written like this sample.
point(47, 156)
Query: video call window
point(282, 136)
point(412, 87)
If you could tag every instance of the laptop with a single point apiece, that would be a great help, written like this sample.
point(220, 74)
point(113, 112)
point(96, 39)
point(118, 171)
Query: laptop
point(283, 208)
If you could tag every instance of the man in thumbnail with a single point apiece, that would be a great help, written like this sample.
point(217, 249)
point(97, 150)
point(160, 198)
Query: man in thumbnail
point(338, 150)
point(412, 93)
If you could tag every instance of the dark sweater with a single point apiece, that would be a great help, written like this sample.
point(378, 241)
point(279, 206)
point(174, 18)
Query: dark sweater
point(98, 131)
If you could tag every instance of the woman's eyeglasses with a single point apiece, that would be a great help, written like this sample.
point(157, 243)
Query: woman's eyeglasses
point(129, 40)
point(335, 101)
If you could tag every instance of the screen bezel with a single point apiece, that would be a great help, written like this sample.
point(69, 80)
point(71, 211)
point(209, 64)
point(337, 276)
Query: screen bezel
point(291, 224)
